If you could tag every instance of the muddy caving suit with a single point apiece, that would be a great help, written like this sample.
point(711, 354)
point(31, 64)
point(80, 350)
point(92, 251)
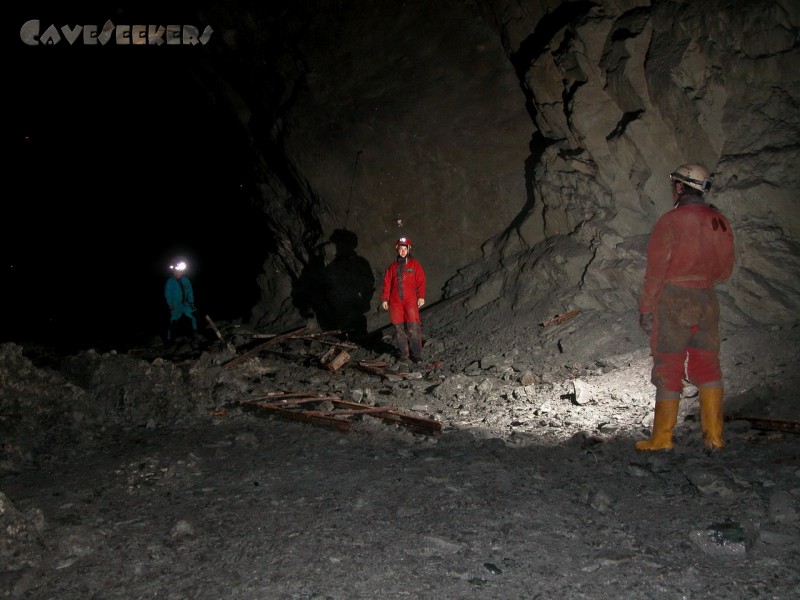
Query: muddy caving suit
point(690, 249)
point(403, 285)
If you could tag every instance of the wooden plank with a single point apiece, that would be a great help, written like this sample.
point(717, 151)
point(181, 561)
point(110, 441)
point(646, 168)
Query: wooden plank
point(381, 370)
point(340, 424)
point(767, 424)
point(250, 353)
point(420, 424)
point(292, 408)
point(288, 399)
point(558, 319)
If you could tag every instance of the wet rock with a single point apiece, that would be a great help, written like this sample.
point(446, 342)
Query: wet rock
point(726, 539)
point(713, 482)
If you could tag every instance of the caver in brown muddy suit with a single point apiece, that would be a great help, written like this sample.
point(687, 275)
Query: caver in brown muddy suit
point(690, 249)
point(403, 295)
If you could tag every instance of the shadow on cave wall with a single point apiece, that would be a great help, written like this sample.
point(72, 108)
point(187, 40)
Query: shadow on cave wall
point(337, 291)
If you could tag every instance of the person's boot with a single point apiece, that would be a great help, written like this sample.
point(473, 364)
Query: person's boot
point(402, 341)
point(415, 341)
point(666, 415)
point(711, 417)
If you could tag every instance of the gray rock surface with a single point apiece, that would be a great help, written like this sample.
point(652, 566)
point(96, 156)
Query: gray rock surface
point(523, 147)
point(169, 484)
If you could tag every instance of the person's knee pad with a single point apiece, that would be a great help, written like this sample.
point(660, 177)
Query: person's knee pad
point(703, 366)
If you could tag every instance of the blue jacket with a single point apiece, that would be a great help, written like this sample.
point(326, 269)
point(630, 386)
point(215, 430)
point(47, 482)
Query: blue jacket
point(180, 297)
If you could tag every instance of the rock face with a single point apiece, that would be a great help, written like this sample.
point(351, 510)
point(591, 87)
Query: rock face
point(524, 148)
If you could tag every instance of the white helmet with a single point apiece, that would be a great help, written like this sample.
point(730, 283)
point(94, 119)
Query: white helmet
point(693, 175)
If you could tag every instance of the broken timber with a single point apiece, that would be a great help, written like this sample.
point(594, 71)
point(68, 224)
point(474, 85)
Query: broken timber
point(319, 337)
point(332, 411)
point(767, 424)
point(379, 367)
point(250, 353)
point(558, 319)
point(334, 359)
point(217, 332)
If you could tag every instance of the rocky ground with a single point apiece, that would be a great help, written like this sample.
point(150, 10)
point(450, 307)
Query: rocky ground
point(507, 470)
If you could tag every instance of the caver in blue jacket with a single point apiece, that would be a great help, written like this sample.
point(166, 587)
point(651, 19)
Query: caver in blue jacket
point(179, 295)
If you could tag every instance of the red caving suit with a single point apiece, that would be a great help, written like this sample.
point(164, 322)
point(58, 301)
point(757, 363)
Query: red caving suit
point(690, 249)
point(403, 284)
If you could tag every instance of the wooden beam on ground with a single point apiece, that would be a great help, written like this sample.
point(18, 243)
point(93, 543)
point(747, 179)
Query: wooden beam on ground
point(337, 343)
point(311, 337)
point(380, 368)
point(217, 332)
point(558, 319)
point(304, 336)
point(250, 353)
point(767, 424)
point(336, 412)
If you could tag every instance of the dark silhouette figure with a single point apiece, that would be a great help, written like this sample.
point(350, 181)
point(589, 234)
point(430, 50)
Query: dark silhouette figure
point(307, 293)
point(339, 292)
point(349, 285)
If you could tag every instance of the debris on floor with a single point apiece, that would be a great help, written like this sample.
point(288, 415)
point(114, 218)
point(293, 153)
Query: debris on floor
point(335, 412)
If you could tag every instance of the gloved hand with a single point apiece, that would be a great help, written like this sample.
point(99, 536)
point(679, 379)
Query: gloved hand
point(646, 322)
point(193, 307)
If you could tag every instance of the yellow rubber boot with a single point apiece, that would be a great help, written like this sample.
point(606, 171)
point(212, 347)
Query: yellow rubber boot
point(666, 415)
point(711, 417)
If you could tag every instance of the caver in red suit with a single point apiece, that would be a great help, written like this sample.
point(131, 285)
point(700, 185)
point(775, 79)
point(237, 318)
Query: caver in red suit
point(403, 295)
point(690, 250)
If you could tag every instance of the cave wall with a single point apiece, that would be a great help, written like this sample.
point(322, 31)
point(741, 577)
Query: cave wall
point(624, 93)
point(411, 124)
point(524, 147)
